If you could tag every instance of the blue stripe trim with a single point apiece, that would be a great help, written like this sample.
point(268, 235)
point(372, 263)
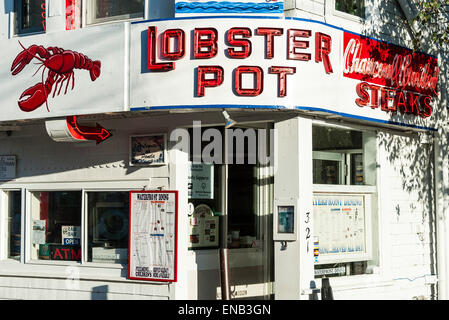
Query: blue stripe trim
point(347, 115)
point(278, 18)
point(209, 106)
point(274, 107)
point(229, 7)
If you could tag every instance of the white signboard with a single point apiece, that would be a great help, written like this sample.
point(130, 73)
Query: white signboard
point(268, 63)
point(7, 167)
point(38, 233)
point(201, 181)
point(340, 226)
point(98, 68)
point(153, 235)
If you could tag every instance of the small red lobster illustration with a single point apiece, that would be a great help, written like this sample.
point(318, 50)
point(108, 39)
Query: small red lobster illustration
point(60, 64)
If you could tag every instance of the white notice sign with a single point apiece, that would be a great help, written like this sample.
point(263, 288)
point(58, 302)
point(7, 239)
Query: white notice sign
point(201, 181)
point(7, 167)
point(153, 226)
point(339, 222)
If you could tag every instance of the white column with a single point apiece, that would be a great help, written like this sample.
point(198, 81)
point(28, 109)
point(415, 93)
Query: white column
point(293, 180)
point(178, 166)
point(55, 20)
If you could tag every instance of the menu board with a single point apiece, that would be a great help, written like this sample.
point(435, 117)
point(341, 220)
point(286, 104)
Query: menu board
point(339, 224)
point(153, 235)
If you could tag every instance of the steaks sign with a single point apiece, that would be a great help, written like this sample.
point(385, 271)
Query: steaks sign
point(230, 62)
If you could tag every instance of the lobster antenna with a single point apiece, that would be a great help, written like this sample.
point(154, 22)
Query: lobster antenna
point(42, 65)
point(28, 50)
point(45, 92)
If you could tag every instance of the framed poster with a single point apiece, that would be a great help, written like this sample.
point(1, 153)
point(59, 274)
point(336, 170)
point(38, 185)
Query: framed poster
point(342, 226)
point(148, 150)
point(153, 233)
point(7, 167)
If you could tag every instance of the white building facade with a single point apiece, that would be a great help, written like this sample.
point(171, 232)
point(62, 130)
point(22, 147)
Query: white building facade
point(105, 105)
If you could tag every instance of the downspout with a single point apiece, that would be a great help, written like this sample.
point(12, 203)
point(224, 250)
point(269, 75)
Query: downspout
point(440, 221)
point(410, 11)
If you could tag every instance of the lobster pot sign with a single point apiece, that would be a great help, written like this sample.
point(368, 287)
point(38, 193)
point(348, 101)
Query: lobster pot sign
point(56, 74)
point(153, 235)
point(269, 63)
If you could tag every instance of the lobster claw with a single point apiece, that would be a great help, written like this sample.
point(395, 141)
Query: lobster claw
point(25, 57)
point(34, 97)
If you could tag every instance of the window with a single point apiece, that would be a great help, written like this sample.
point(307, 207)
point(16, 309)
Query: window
point(56, 228)
point(235, 191)
point(30, 16)
point(108, 227)
point(56, 225)
point(343, 156)
point(108, 10)
point(353, 7)
point(14, 224)
point(344, 177)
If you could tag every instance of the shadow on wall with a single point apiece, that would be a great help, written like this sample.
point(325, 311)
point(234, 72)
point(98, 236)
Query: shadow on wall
point(99, 293)
point(412, 157)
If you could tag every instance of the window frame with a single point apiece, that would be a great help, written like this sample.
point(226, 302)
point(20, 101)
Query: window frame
point(84, 227)
point(346, 20)
point(347, 15)
point(88, 16)
point(4, 232)
point(371, 196)
point(18, 14)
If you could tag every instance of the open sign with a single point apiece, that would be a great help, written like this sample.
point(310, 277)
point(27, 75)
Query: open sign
point(72, 242)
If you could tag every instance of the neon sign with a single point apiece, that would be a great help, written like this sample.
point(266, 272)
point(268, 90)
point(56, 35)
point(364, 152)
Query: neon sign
point(393, 78)
point(206, 46)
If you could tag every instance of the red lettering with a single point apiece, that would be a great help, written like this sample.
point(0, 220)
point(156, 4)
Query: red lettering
point(66, 257)
point(399, 102)
point(179, 36)
point(205, 38)
point(245, 52)
point(323, 46)
point(152, 65)
point(374, 96)
point(269, 34)
point(202, 82)
point(258, 77)
point(426, 100)
point(282, 73)
point(57, 255)
point(294, 44)
point(412, 103)
point(387, 95)
point(362, 92)
point(76, 254)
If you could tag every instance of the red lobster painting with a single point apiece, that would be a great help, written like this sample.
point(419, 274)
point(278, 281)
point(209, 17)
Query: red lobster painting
point(60, 64)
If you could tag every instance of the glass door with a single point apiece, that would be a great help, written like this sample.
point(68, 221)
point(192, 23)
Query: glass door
point(232, 202)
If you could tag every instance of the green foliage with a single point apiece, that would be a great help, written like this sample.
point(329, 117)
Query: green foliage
point(433, 16)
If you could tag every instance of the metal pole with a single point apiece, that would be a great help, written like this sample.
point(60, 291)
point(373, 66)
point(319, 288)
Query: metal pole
point(224, 269)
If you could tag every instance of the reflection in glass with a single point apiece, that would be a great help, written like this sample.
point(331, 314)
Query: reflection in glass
point(30, 15)
point(56, 225)
point(108, 214)
point(14, 224)
point(105, 10)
